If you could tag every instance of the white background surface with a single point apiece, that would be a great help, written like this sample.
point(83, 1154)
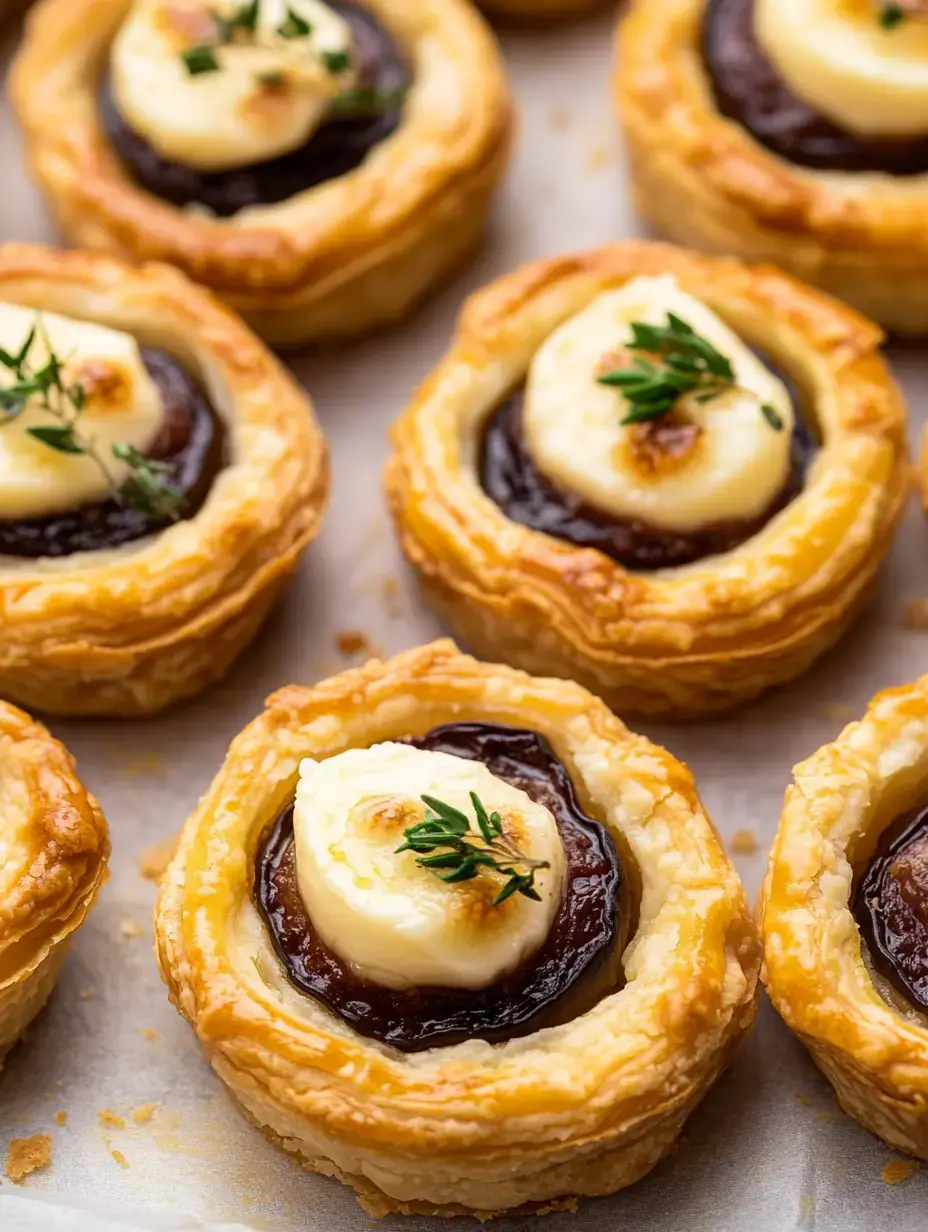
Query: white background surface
point(769, 1149)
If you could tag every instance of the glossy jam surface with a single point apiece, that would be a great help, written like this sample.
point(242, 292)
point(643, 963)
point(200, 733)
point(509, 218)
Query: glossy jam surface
point(191, 442)
point(337, 147)
point(891, 907)
point(579, 963)
point(511, 479)
point(749, 89)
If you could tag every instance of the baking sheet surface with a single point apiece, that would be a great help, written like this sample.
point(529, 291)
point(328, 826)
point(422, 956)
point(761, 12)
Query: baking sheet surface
point(769, 1148)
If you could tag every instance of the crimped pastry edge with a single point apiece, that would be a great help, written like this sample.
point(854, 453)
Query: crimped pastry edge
point(702, 180)
point(678, 643)
point(56, 847)
point(133, 630)
point(449, 1128)
point(341, 259)
point(840, 800)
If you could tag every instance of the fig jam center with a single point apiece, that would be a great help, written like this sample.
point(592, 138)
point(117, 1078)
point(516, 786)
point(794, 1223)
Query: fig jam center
point(749, 89)
point(891, 907)
point(578, 964)
point(191, 443)
point(514, 483)
point(335, 148)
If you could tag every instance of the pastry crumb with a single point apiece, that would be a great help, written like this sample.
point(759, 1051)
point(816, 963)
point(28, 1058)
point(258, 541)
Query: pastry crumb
point(743, 843)
point(802, 1099)
point(559, 118)
point(392, 599)
point(61, 1118)
point(143, 1113)
point(148, 1033)
point(352, 642)
point(898, 1170)
point(85, 993)
point(597, 157)
point(840, 712)
point(26, 1155)
point(120, 1159)
point(111, 1120)
point(131, 928)
point(916, 614)
point(154, 860)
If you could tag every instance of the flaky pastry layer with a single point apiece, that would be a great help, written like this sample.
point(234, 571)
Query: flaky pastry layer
point(131, 630)
point(840, 801)
point(579, 1109)
point(677, 642)
point(53, 853)
point(353, 253)
point(702, 179)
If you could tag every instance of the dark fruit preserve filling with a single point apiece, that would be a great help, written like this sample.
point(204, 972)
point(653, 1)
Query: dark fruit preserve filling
point(335, 148)
point(191, 443)
point(749, 89)
point(512, 481)
point(891, 907)
point(579, 963)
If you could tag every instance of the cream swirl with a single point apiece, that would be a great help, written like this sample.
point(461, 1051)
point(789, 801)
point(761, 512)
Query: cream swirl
point(272, 85)
point(393, 921)
point(839, 58)
point(724, 462)
point(120, 405)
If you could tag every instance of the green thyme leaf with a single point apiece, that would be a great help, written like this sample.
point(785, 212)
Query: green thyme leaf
point(336, 61)
point(294, 26)
point(891, 15)
point(246, 16)
point(61, 439)
point(367, 101)
point(772, 416)
point(200, 59)
point(146, 489)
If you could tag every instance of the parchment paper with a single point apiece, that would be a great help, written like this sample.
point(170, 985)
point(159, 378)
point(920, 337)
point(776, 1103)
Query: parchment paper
point(769, 1148)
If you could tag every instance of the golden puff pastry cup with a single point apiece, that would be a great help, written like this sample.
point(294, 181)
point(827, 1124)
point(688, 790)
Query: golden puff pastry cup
point(131, 630)
point(704, 180)
point(841, 800)
point(676, 643)
point(527, 1125)
point(53, 853)
point(351, 254)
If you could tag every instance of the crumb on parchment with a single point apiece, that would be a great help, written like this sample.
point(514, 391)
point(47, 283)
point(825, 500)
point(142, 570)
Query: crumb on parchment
point(916, 614)
point(61, 1118)
point(898, 1170)
point(148, 1033)
point(154, 860)
point(352, 642)
point(743, 843)
point(143, 1113)
point(110, 1120)
point(27, 1155)
point(120, 1159)
point(131, 928)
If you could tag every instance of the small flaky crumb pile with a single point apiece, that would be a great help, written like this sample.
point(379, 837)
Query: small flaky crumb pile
point(352, 642)
point(743, 843)
point(154, 860)
point(110, 1120)
point(28, 1155)
point(898, 1170)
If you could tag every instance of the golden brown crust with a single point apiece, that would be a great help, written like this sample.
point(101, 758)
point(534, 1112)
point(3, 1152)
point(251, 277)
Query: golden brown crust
point(580, 1109)
point(840, 801)
point(677, 643)
point(701, 179)
point(130, 631)
point(53, 852)
point(344, 257)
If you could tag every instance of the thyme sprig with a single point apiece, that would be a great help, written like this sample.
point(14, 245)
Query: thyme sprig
point(242, 27)
point(680, 362)
point(450, 847)
point(366, 101)
point(892, 15)
point(145, 490)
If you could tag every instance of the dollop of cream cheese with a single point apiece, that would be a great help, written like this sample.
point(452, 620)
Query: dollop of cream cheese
point(391, 920)
point(122, 405)
point(267, 97)
point(708, 462)
point(838, 58)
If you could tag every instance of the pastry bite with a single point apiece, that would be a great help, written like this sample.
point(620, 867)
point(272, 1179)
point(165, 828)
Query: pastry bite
point(160, 475)
point(845, 915)
point(321, 165)
point(787, 131)
point(670, 478)
point(53, 852)
point(457, 937)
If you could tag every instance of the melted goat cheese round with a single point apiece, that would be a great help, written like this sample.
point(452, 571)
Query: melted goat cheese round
point(122, 405)
point(838, 58)
point(710, 462)
point(393, 921)
point(266, 98)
